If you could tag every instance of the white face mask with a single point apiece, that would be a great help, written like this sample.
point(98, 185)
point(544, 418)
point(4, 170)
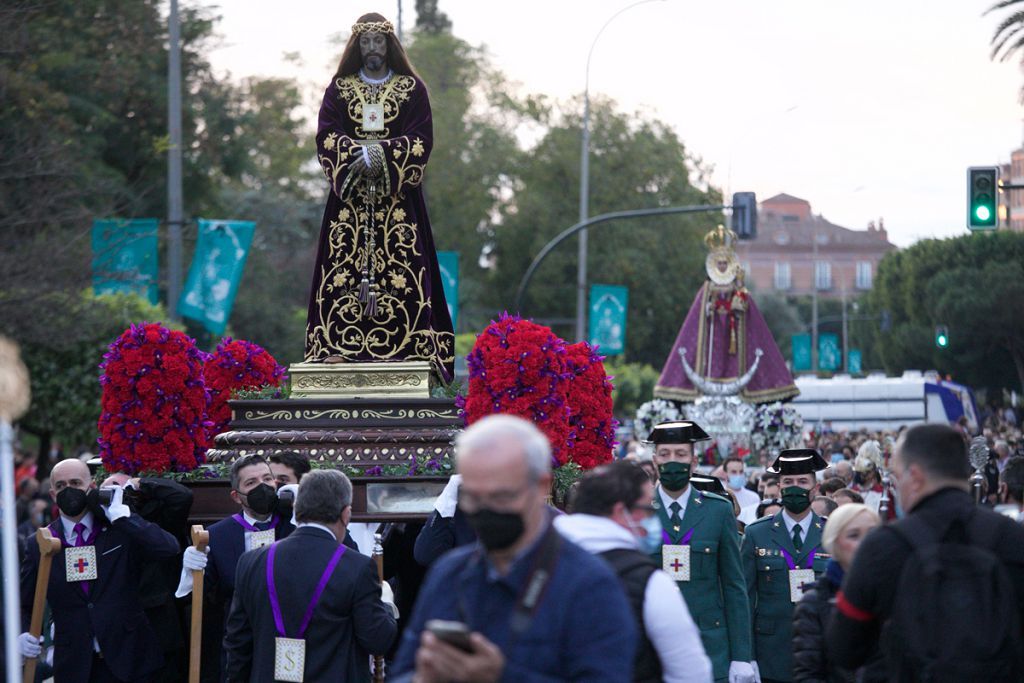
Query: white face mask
point(651, 541)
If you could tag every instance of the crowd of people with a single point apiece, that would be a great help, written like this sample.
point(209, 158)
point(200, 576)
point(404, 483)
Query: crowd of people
point(859, 557)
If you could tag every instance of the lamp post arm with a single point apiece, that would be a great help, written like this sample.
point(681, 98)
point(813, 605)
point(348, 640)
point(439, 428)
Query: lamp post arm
point(603, 218)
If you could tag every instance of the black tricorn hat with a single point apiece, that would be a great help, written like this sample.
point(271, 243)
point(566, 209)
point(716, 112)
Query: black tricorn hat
point(798, 461)
point(703, 482)
point(682, 431)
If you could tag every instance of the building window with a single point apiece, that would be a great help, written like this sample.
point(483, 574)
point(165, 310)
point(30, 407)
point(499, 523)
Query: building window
point(783, 279)
point(864, 275)
point(823, 275)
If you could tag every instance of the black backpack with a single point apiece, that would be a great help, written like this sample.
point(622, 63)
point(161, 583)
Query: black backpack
point(955, 613)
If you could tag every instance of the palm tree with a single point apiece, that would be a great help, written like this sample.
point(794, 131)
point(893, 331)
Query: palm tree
point(1009, 36)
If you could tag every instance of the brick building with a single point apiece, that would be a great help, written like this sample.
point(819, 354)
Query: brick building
point(1011, 202)
point(783, 258)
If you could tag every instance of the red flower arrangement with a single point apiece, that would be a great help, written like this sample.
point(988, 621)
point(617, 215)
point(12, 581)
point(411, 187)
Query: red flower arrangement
point(590, 407)
point(517, 367)
point(154, 402)
point(236, 364)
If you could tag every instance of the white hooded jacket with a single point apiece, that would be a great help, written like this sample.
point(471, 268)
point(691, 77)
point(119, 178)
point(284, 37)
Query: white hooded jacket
point(667, 620)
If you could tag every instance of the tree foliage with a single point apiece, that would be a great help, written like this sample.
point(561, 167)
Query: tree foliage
point(974, 285)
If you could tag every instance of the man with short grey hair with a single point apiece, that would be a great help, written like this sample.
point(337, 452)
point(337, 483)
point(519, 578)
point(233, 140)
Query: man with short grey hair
point(573, 623)
point(304, 606)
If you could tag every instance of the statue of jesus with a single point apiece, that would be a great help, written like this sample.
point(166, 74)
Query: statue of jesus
point(377, 293)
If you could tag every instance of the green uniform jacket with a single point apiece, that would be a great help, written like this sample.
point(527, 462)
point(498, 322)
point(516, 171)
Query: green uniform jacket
point(767, 575)
point(716, 594)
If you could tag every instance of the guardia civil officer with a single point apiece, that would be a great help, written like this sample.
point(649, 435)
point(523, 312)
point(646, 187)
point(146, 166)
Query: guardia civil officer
point(781, 555)
point(701, 552)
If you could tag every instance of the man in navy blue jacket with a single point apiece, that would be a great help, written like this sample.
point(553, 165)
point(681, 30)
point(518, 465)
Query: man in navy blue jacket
point(100, 630)
point(314, 589)
point(556, 630)
point(446, 527)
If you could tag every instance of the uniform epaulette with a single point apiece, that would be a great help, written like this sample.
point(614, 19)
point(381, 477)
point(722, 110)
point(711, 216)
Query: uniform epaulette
point(758, 522)
point(716, 496)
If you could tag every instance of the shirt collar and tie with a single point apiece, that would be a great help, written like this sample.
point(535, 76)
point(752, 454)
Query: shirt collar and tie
point(671, 504)
point(262, 526)
point(804, 525)
point(75, 533)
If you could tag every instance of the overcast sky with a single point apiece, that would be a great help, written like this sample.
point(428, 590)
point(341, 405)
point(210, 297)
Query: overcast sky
point(866, 108)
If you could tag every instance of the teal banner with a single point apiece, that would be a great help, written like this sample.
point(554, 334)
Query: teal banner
point(853, 362)
point(801, 352)
point(217, 266)
point(830, 357)
point(608, 307)
point(124, 257)
point(448, 261)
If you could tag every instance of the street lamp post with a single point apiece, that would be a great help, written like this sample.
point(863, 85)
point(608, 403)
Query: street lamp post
point(581, 271)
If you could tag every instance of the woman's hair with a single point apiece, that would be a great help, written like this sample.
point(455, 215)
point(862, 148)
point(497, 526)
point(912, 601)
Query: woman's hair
point(838, 521)
point(352, 59)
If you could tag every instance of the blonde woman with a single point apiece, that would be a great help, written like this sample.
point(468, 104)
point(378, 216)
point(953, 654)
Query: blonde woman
point(845, 529)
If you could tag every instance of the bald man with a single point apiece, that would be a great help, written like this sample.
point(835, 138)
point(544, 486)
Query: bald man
point(100, 630)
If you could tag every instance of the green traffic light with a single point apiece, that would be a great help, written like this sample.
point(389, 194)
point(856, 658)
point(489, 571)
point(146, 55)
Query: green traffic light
point(983, 213)
point(942, 340)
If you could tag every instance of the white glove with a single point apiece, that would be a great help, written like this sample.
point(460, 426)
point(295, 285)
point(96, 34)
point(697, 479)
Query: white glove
point(387, 596)
point(117, 509)
point(193, 560)
point(29, 646)
point(757, 670)
point(742, 672)
point(449, 498)
point(294, 488)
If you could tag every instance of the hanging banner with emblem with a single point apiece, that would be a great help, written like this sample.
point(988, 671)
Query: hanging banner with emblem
point(217, 265)
point(124, 257)
point(801, 352)
point(448, 262)
point(608, 307)
point(829, 355)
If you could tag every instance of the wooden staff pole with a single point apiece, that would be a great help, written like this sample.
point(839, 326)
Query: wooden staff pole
point(48, 547)
point(378, 557)
point(200, 539)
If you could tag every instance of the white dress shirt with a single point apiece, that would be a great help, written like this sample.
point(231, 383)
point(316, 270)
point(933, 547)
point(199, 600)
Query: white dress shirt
point(805, 524)
point(667, 500)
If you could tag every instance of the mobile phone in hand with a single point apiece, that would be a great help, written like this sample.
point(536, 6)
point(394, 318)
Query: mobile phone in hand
point(455, 633)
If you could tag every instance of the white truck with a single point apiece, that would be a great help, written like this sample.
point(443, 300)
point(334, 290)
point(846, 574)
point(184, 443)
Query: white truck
point(877, 402)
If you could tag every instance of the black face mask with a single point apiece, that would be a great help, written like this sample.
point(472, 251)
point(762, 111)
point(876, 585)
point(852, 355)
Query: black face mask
point(262, 500)
point(674, 476)
point(796, 499)
point(72, 502)
point(496, 530)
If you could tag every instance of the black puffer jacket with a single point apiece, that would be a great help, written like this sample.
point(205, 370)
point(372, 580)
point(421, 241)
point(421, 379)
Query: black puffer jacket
point(810, 661)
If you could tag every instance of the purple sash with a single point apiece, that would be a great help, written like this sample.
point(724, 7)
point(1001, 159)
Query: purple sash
point(685, 540)
point(249, 527)
point(275, 606)
point(789, 558)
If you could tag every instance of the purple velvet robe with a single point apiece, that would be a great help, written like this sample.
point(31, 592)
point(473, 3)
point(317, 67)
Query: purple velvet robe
point(772, 381)
point(392, 244)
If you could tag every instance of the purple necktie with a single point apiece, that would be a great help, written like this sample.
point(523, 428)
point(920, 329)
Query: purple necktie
point(79, 531)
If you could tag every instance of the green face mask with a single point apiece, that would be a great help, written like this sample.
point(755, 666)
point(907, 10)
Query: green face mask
point(674, 476)
point(796, 499)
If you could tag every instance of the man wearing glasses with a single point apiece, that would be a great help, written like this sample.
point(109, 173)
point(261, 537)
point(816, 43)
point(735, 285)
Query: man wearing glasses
point(522, 598)
point(701, 552)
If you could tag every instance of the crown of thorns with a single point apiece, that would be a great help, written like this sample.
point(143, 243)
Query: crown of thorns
point(372, 27)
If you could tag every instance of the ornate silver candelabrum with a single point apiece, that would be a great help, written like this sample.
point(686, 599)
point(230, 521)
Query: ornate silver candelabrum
point(978, 455)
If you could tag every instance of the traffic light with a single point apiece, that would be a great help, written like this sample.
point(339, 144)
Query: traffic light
point(982, 197)
point(941, 336)
point(744, 215)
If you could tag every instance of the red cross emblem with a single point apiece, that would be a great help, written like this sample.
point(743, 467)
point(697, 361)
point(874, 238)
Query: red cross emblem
point(676, 564)
point(81, 565)
point(373, 116)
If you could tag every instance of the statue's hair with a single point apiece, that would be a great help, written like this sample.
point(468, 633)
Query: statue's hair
point(352, 59)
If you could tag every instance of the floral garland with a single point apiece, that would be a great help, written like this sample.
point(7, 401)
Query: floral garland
point(777, 427)
point(236, 365)
point(154, 402)
point(652, 413)
point(590, 407)
point(518, 367)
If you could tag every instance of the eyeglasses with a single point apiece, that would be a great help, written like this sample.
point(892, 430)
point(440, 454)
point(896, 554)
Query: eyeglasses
point(499, 500)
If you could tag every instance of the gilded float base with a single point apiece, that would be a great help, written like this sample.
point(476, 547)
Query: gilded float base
point(402, 379)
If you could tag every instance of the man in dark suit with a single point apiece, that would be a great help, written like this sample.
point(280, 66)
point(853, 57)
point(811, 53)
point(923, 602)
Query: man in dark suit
point(312, 590)
point(100, 630)
point(446, 528)
point(258, 524)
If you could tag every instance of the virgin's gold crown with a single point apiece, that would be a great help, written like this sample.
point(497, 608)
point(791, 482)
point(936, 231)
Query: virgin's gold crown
point(720, 238)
